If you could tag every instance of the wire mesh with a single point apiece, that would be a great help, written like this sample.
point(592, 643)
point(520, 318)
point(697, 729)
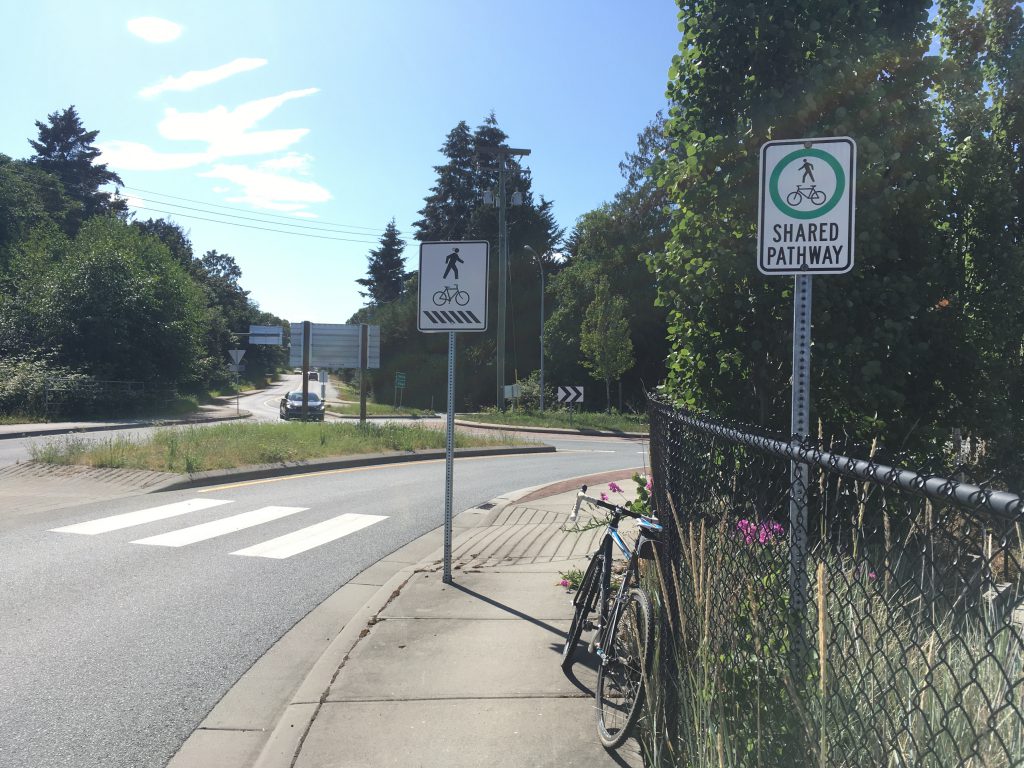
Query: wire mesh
point(894, 636)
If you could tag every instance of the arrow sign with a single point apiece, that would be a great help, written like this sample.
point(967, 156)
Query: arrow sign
point(236, 355)
point(570, 395)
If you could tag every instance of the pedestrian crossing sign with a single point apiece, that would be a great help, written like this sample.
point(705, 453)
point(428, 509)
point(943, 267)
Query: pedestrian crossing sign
point(453, 286)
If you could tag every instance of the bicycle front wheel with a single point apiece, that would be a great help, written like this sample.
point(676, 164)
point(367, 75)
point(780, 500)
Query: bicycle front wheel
point(584, 602)
point(625, 663)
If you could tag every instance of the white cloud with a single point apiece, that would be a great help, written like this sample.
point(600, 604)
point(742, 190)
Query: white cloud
point(272, 191)
point(155, 30)
point(226, 131)
point(198, 78)
point(292, 162)
point(132, 156)
point(306, 215)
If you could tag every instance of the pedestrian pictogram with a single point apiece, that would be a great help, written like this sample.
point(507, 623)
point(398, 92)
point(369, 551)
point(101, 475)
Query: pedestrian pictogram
point(452, 261)
point(570, 395)
point(453, 286)
point(807, 195)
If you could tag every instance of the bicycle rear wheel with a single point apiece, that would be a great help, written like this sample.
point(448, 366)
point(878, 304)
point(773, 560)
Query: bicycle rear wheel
point(626, 661)
point(584, 601)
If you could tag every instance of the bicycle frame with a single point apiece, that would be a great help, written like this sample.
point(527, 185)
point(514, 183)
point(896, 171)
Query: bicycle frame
point(607, 621)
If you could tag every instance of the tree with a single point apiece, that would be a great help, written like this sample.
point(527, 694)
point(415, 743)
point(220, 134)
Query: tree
point(66, 150)
point(747, 73)
point(174, 237)
point(446, 214)
point(386, 269)
point(604, 338)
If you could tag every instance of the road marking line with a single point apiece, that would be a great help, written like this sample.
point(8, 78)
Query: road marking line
point(128, 519)
point(215, 528)
point(313, 536)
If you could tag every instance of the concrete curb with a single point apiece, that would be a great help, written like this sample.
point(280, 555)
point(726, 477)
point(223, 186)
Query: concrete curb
point(218, 476)
point(129, 425)
point(286, 739)
point(549, 430)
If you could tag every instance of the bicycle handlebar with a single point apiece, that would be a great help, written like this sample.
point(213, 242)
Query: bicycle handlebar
point(615, 509)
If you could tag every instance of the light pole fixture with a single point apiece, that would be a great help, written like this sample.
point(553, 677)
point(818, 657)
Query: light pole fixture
point(540, 266)
point(503, 154)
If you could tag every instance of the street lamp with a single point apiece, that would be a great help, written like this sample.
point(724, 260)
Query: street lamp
point(540, 266)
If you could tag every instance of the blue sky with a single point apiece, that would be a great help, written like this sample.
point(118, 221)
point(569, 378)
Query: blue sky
point(330, 114)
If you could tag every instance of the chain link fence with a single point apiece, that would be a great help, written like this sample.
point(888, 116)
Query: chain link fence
point(867, 616)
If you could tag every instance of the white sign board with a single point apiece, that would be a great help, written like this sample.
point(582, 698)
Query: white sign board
point(236, 355)
point(453, 286)
point(334, 346)
point(266, 334)
point(570, 395)
point(806, 215)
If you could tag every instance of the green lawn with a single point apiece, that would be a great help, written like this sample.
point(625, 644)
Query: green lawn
point(615, 422)
point(229, 445)
point(377, 409)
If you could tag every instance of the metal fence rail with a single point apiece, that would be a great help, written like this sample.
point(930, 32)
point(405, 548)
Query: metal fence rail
point(893, 637)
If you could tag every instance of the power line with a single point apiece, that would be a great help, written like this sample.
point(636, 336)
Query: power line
point(250, 226)
point(236, 208)
point(251, 218)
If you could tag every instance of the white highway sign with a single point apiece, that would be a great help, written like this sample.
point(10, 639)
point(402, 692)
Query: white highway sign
point(806, 215)
point(453, 286)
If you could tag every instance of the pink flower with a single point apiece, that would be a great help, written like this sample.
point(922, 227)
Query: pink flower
point(650, 484)
point(563, 583)
point(872, 575)
point(614, 488)
point(604, 496)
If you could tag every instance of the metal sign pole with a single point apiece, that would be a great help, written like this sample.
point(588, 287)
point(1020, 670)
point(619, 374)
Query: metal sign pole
point(449, 457)
point(799, 474)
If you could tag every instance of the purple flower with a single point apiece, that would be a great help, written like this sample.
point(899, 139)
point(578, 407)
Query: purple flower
point(563, 583)
point(614, 488)
point(872, 575)
point(604, 496)
point(650, 484)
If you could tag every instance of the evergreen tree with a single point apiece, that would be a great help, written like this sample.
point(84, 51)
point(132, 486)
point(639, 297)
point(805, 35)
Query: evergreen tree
point(386, 268)
point(66, 150)
point(446, 214)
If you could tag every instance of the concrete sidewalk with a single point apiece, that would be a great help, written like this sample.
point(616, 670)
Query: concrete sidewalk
point(428, 674)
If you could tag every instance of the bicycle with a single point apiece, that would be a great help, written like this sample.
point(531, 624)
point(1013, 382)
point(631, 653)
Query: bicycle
point(449, 294)
point(623, 637)
point(811, 193)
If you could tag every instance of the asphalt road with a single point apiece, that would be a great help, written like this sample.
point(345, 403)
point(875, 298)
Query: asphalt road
point(112, 652)
point(262, 404)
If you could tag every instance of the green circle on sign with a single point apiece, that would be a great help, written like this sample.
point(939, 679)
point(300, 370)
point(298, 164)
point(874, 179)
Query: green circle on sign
point(773, 184)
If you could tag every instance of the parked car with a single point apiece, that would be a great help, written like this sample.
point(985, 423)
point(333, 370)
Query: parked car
point(291, 406)
point(314, 376)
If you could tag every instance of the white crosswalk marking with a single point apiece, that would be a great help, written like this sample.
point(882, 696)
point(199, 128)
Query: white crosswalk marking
point(128, 519)
point(215, 528)
point(313, 536)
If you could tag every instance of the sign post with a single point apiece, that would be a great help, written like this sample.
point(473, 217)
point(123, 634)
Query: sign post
point(452, 298)
point(805, 227)
point(236, 366)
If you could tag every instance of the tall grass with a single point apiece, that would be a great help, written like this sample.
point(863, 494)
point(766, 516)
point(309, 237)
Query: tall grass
point(229, 445)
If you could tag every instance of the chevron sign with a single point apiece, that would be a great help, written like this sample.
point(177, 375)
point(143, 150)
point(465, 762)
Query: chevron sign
point(450, 317)
point(570, 395)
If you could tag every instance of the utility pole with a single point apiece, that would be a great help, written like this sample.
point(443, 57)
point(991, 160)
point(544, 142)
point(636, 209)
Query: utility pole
point(503, 154)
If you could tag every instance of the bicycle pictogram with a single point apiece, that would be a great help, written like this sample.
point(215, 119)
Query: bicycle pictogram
point(811, 193)
point(449, 294)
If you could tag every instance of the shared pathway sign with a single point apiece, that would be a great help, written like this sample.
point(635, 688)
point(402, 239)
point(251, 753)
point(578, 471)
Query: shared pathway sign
point(453, 286)
point(807, 196)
